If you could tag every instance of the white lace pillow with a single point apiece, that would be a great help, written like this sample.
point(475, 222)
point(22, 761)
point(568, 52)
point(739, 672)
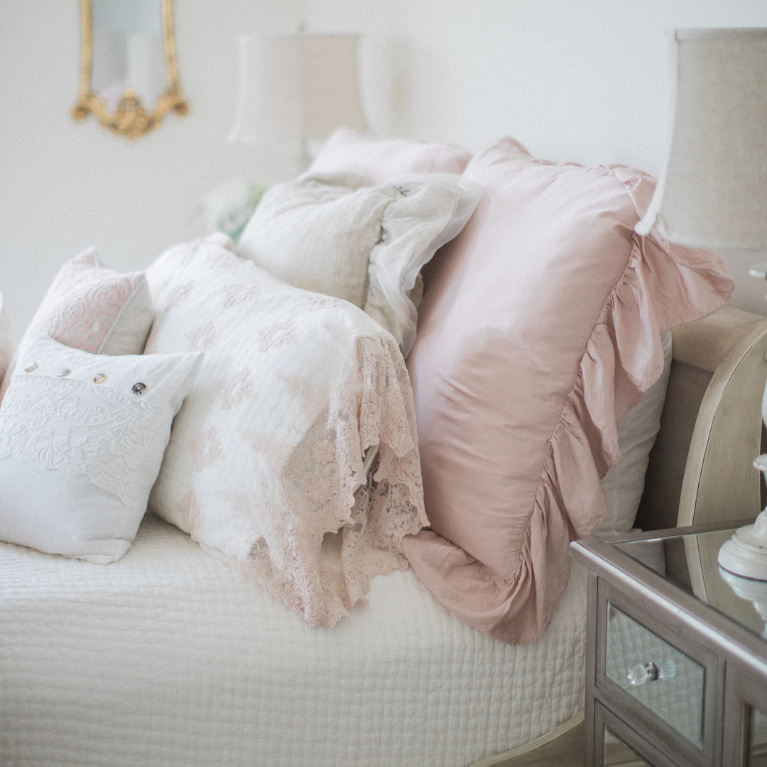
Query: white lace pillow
point(367, 245)
point(81, 441)
point(268, 461)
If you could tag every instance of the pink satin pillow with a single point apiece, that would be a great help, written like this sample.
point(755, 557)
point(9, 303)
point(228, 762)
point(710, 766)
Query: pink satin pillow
point(539, 329)
point(380, 161)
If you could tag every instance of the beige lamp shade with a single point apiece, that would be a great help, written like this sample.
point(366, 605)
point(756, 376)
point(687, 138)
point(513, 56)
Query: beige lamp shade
point(713, 192)
point(297, 87)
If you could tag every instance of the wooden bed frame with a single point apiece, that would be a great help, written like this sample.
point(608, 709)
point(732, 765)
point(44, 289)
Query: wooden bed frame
point(700, 469)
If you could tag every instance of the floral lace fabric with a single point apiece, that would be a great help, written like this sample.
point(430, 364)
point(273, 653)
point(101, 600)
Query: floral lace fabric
point(79, 429)
point(370, 512)
point(86, 300)
point(93, 308)
point(295, 455)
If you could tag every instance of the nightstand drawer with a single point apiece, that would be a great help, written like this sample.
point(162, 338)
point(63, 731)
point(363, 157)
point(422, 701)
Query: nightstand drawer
point(656, 674)
point(660, 680)
point(618, 746)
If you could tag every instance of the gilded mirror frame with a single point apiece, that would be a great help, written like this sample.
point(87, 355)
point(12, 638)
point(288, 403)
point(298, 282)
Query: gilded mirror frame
point(131, 118)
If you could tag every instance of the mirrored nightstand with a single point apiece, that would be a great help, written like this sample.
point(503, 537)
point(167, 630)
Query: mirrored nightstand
point(677, 657)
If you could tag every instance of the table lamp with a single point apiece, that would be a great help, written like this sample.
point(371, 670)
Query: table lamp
point(297, 89)
point(713, 191)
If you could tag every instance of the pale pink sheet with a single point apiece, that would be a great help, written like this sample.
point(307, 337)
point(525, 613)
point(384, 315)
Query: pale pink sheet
point(380, 161)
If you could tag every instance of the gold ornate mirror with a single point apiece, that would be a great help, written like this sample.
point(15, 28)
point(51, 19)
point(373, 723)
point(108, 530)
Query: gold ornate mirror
point(129, 79)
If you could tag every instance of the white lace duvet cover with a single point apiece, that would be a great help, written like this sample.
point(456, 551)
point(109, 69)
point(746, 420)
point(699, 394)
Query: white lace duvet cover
point(295, 454)
point(170, 657)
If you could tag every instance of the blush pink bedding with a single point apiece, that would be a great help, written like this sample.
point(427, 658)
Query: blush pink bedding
point(380, 161)
point(93, 308)
point(538, 331)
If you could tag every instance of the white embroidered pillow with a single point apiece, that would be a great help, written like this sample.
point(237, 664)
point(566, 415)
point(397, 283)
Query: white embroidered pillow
point(81, 441)
point(268, 461)
point(95, 309)
point(367, 245)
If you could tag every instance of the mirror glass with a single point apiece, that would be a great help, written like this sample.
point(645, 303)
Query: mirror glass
point(618, 754)
point(129, 78)
point(655, 673)
point(757, 739)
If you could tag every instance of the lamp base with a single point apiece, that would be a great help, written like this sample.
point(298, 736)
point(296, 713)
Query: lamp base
point(745, 554)
point(752, 591)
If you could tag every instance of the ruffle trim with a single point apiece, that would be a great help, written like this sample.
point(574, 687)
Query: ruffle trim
point(364, 508)
point(665, 285)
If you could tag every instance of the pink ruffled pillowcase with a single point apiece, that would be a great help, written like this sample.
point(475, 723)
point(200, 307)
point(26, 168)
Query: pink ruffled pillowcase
point(539, 329)
point(95, 309)
point(381, 161)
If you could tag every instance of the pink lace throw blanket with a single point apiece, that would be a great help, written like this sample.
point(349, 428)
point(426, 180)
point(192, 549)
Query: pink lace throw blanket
point(295, 456)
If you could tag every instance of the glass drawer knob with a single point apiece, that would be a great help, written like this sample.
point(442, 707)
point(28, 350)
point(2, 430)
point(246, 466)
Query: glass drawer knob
point(640, 673)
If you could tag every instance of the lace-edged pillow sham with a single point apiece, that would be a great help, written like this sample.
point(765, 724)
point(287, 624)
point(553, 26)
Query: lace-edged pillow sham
point(93, 308)
point(367, 245)
point(82, 437)
point(269, 460)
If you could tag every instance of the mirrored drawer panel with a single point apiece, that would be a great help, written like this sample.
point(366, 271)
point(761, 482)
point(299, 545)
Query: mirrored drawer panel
point(616, 753)
point(655, 674)
point(757, 739)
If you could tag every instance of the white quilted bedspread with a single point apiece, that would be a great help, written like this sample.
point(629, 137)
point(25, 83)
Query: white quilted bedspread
point(169, 657)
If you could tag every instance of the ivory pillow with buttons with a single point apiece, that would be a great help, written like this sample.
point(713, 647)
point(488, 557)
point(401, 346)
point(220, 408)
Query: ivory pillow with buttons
point(82, 437)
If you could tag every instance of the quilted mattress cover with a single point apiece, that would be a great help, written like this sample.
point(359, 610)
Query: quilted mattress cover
point(170, 657)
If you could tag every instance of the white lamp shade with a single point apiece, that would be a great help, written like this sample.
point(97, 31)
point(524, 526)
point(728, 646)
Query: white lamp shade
point(297, 87)
point(713, 193)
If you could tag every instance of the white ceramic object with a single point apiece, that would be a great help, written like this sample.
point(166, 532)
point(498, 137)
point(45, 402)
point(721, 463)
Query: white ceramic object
point(745, 554)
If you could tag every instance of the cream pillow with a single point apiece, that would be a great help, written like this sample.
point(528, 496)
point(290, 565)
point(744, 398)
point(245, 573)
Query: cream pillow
point(81, 441)
point(330, 234)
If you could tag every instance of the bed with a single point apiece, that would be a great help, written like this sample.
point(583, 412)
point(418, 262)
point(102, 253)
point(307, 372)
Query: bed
point(192, 647)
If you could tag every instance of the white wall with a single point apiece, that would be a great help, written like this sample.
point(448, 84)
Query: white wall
point(65, 185)
point(587, 82)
